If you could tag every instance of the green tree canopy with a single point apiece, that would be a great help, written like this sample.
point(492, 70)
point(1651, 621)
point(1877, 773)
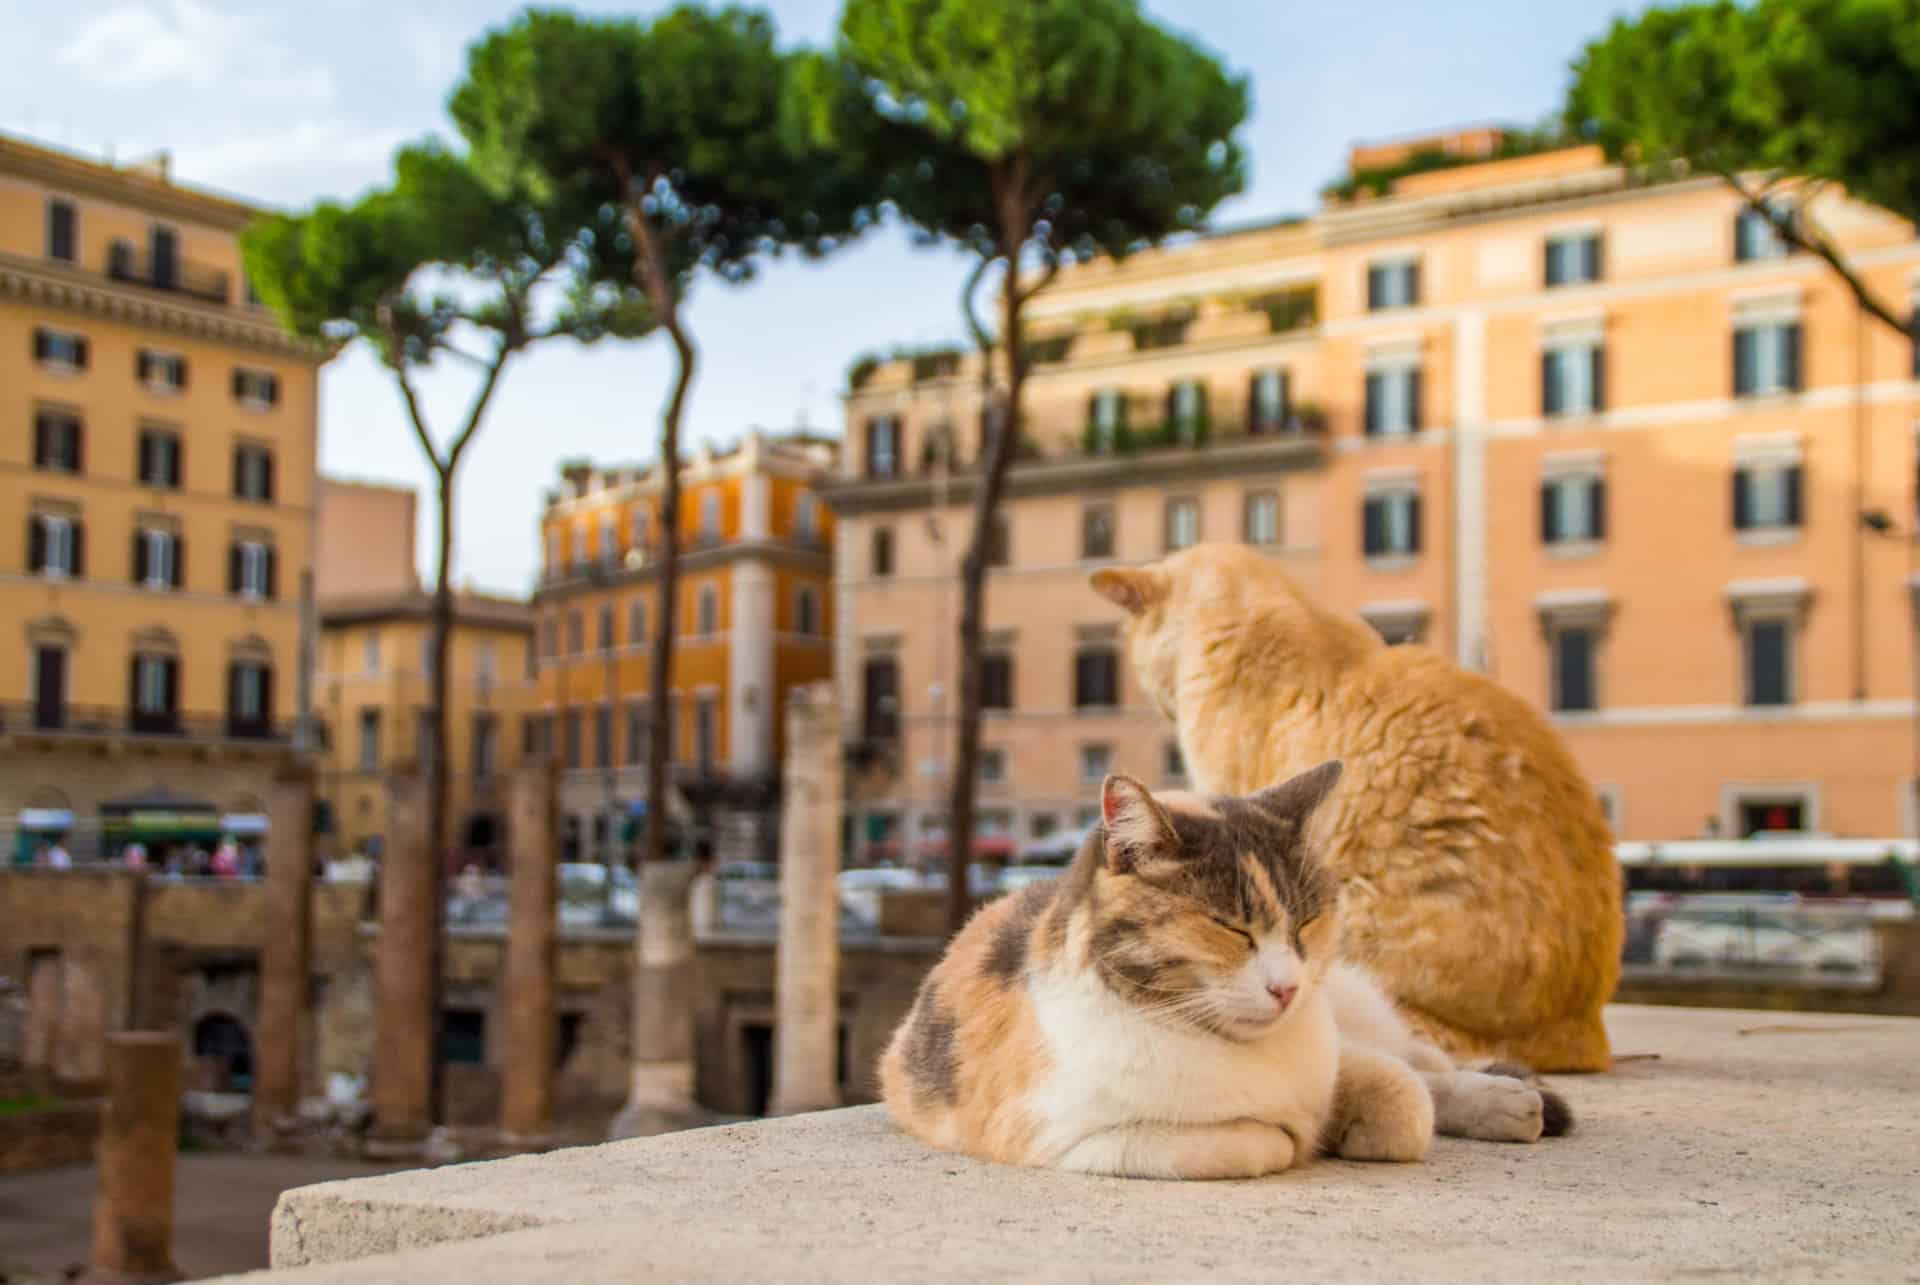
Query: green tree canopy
point(1764, 95)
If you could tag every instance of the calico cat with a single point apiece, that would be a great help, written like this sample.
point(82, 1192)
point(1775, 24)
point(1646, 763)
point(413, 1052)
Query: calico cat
point(1481, 887)
point(1174, 1007)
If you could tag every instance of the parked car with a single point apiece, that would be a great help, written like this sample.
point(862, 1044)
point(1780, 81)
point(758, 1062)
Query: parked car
point(1764, 938)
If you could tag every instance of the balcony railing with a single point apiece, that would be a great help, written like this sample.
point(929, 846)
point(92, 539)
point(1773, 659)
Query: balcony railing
point(180, 276)
point(100, 722)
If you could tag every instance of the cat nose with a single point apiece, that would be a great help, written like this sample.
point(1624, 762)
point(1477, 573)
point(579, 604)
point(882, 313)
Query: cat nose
point(1284, 992)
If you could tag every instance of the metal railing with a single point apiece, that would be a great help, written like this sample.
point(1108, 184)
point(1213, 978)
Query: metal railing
point(104, 721)
point(181, 276)
point(1756, 937)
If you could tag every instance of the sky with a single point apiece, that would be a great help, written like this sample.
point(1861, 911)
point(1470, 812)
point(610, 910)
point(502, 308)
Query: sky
point(285, 104)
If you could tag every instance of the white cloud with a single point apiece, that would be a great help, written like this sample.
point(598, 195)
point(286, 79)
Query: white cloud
point(294, 164)
point(140, 45)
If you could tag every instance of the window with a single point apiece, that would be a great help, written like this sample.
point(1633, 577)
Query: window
point(706, 731)
point(576, 634)
point(1261, 524)
point(880, 698)
point(1397, 623)
point(161, 371)
point(880, 553)
point(1784, 813)
point(806, 518)
point(606, 627)
point(1173, 764)
point(580, 555)
point(1572, 375)
point(570, 737)
point(258, 389)
point(996, 681)
point(249, 699)
point(992, 766)
point(1187, 412)
point(1096, 531)
point(883, 446)
point(1573, 259)
point(1573, 681)
point(603, 736)
point(1042, 824)
point(806, 611)
point(250, 569)
point(1182, 523)
point(1766, 358)
point(60, 349)
point(1393, 285)
point(1573, 509)
point(1393, 400)
point(637, 732)
point(54, 545)
point(370, 652)
point(706, 619)
point(710, 517)
point(556, 550)
point(1766, 496)
point(63, 241)
point(56, 441)
point(463, 1036)
point(1769, 647)
point(163, 255)
point(636, 622)
point(1755, 238)
point(156, 558)
point(1391, 523)
point(253, 473)
point(1096, 678)
point(485, 735)
point(156, 690)
point(49, 687)
point(609, 539)
point(483, 661)
point(640, 525)
point(159, 462)
point(1000, 542)
point(1106, 418)
point(1269, 401)
point(1095, 762)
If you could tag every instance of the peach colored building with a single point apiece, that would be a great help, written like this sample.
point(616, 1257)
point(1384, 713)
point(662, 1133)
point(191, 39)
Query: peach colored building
point(755, 617)
point(1593, 436)
point(367, 533)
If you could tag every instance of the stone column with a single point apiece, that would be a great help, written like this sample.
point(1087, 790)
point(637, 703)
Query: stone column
point(285, 956)
point(526, 1089)
point(139, 1134)
point(807, 980)
point(660, 1094)
point(403, 1033)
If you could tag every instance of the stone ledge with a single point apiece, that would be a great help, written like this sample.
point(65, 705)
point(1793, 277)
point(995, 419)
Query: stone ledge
point(1783, 1146)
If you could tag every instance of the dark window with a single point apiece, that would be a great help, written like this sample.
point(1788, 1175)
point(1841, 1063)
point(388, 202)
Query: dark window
point(251, 570)
point(159, 462)
point(1572, 379)
point(1096, 678)
point(1769, 647)
point(881, 558)
point(153, 698)
point(550, 637)
point(161, 370)
point(1393, 398)
point(1767, 497)
point(996, 681)
point(1755, 237)
point(1260, 518)
point(880, 698)
point(883, 446)
point(1573, 510)
point(707, 612)
point(1187, 411)
point(1573, 686)
point(369, 740)
point(253, 473)
point(1269, 401)
point(1000, 542)
point(163, 250)
point(1573, 260)
point(256, 387)
point(706, 731)
point(1766, 359)
point(463, 1036)
point(485, 734)
point(1106, 418)
point(49, 687)
point(606, 627)
point(56, 545)
point(60, 348)
point(1173, 764)
point(57, 441)
point(576, 634)
point(1182, 524)
point(1391, 524)
point(570, 737)
point(63, 240)
point(1096, 531)
point(157, 558)
point(1758, 815)
point(637, 732)
point(1393, 285)
point(249, 699)
point(806, 611)
point(603, 736)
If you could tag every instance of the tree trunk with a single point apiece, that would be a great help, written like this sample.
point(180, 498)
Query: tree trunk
point(998, 458)
point(440, 644)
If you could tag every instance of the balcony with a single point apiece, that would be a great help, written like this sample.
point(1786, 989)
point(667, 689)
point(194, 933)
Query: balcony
point(104, 723)
point(169, 273)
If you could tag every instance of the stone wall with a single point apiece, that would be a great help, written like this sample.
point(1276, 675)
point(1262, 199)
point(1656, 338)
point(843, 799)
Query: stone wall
point(61, 1134)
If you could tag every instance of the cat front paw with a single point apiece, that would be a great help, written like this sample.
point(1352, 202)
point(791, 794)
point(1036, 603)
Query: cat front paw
point(1505, 1110)
point(1389, 1138)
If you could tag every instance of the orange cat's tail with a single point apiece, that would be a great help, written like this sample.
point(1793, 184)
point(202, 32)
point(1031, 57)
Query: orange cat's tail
point(1572, 1046)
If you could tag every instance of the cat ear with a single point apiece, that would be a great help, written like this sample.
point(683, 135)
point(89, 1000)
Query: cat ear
point(1138, 829)
point(1135, 588)
point(1298, 797)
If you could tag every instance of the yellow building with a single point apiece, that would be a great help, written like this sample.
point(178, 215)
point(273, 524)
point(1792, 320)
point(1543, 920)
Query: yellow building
point(1597, 437)
point(157, 477)
point(372, 691)
point(755, 617)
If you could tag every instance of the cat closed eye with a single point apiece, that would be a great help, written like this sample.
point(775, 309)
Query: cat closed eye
point(1237, 931)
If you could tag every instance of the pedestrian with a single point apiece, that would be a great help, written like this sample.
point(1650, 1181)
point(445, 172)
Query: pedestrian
point(58, 857)
point(134, 855)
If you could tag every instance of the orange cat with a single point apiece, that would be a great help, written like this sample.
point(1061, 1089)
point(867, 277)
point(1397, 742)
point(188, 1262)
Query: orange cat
point(1481, 887)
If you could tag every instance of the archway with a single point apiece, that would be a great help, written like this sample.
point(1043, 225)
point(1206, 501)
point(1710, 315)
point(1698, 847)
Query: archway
point(222, 1045)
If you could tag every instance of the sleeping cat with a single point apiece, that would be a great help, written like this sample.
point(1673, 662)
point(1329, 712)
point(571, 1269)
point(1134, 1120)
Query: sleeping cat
point(1481, 887)
point(1174, 1007)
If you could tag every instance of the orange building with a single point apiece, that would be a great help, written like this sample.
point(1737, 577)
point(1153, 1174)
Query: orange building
point(755, 617)
point(1595, 436)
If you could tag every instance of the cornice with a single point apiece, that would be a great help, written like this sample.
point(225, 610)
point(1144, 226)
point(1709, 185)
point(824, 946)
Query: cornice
point(596, 578)
point(132, 187)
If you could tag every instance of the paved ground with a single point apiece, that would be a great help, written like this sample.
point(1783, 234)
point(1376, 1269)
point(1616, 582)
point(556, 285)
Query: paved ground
point(1758, 1146)
point(221, 1212)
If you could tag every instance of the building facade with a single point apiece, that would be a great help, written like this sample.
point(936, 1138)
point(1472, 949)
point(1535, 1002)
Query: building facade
point(157, 467)
point(366, 541)
point(755, 617)
point(372, 691)
point(1597, 437)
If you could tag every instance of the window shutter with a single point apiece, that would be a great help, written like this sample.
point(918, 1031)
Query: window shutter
point(238, 383)
point(233, 568)
point(239, 472)
point(1549, 515)
point(133, 684)
point(1549, 383)
point(1550, 273)
point(1413, 522)
point(1743, 362)
point(1793, 496)
point(273, 573)
point(179, 561)
point(266, 695)
point(147, 470)
point(1792, 356)
point(176, 453)
point(42, 444)
point(1373, 403)
point(36, 544)
point(139, 556)
point(1173, 403)
point(1413, 284)
point(77, 457)
point(1597, 506)
point(182, 368)
point(1743, 236)
point(1742, 500)
point(1254, 413)
point(1595, 256)
point(1373, 288)
point(81, 351)
point(79, 534)
point(1373, 537)
point(1093, 416)
point(41, 343)
point(266, 475)
point(141, 362)
point(233, 691)
point(273, 390)
point(1598, 356)
point(1416, 379)
point(172, 667)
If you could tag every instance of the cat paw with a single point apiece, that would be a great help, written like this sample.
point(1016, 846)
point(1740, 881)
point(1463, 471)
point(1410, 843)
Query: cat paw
point(1505, 1110)
point(1391, 1141)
